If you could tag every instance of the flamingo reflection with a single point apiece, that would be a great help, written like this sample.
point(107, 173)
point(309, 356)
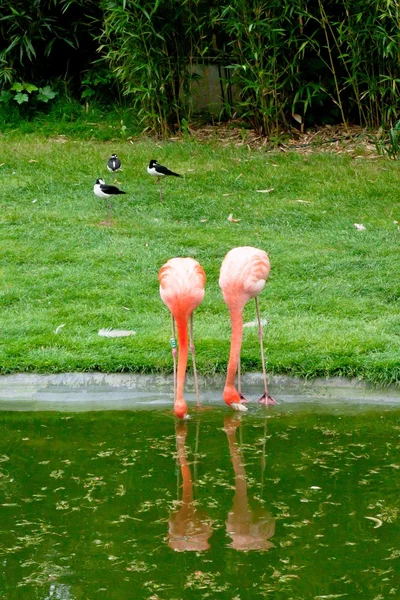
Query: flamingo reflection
point(249, 529)
point(189, 527)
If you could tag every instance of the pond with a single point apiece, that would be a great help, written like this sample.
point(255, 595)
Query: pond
point(298, 501)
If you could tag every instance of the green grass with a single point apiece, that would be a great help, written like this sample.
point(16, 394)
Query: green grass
point(331, 302)
point(70, 118)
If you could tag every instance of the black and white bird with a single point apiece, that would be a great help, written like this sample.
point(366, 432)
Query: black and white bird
point(158, 170)
point(104, 191)
point(114, 164)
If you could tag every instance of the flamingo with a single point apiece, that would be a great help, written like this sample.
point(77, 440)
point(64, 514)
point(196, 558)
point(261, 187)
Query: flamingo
point(182, 283)
point(243, 274)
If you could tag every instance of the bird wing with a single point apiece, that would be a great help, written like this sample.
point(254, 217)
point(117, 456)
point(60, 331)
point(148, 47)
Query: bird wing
point(164, 171)
point(110, 189)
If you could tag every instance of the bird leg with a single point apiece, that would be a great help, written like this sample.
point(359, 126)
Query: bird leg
point(265, 398)
point(110, 208)
point(196, 383)
point(242, 398)
point(174, 353)
point(160, 192)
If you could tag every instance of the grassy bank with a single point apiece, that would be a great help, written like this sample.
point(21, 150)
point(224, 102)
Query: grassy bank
point(331, 303)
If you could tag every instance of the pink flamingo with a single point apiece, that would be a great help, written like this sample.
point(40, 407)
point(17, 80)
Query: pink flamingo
point(182, 283)
point(243, 274)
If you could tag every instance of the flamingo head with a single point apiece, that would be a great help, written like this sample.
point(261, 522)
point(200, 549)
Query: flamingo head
point(180, 409)
point(232, 398)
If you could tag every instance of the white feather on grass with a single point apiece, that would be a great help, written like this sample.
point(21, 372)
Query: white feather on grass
point(255, 323)
point(360, 226)
point(113, 333)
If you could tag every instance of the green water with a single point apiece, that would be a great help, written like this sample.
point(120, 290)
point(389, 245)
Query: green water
point(294, 503)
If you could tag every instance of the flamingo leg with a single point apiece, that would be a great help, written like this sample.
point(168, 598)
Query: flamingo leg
point(196, 453)
point(196, 382)
point(265, 398)
point(174, 353)
point(263, 459)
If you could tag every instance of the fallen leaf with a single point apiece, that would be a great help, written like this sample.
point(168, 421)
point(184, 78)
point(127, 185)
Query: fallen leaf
point(126, 308)
point(33, 201)
point(297, 117)
point(227, 194)
point(33, 160)
point(359, 226)
point(265, 191)
point(113, 333)
point(304, 201)
point(59, 328)
point(203, 220)
point(232, 220)
point(377, 521)
point(329, 596)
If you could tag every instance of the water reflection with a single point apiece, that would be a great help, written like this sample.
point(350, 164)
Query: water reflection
point(59, 591)
point(189, 527)
point(249, 529)
point(84, 512)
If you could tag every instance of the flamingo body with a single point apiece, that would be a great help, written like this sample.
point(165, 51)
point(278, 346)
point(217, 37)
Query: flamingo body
point(243, 274)
point(182, 282)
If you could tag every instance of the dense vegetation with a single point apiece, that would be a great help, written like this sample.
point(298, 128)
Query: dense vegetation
point(323, 62)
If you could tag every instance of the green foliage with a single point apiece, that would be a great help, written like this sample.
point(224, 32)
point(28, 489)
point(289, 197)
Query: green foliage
point(324, 62)
point(263, 47)
point(29, 25)
point(98, 84)
point(390, 146)
point(64, 117)
point(28, 97)
point(327, 62)
point(145, 51)
point(39, 39)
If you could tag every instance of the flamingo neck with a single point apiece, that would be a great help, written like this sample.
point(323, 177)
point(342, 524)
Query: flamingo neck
point(230, 392)
point(238, 467)
point(180, 407)
point(187, 487)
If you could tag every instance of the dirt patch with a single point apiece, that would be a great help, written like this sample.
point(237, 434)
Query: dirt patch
point(353, 140)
